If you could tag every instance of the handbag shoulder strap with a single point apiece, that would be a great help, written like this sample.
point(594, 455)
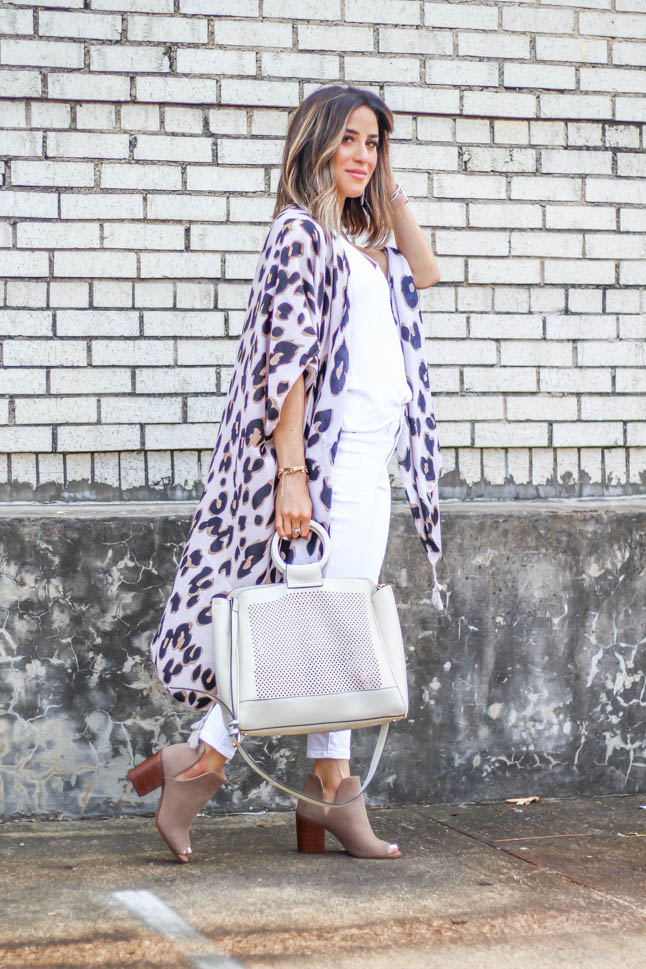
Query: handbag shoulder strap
point(374, 763)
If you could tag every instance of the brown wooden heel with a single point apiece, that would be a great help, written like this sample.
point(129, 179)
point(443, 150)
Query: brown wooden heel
point(310, 836)
point(145, 777)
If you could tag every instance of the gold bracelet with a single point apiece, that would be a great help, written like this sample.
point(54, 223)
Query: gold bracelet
point(300, 467)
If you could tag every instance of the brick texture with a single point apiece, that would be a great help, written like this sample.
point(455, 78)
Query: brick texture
point(141, 145)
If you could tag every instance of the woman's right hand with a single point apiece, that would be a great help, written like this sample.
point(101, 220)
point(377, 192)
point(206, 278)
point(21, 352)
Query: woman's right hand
point(293, 505)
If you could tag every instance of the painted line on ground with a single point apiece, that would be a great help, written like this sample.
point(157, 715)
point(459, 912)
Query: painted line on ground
point(164, 920)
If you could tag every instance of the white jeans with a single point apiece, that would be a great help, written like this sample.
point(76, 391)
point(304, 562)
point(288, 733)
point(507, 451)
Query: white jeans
point(359, 523)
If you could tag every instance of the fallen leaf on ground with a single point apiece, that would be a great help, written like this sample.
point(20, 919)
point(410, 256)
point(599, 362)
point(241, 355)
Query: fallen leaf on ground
point(522, 800)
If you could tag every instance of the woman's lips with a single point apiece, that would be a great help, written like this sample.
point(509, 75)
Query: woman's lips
point(355, 174)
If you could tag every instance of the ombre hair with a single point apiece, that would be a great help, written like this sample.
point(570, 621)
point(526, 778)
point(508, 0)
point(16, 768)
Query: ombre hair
point(307, 176)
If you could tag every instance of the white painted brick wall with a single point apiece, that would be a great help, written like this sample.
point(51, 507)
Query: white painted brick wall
point(140, 151)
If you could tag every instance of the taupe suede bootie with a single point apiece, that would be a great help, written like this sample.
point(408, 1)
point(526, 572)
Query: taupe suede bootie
point(180, 799)
point(349, 824)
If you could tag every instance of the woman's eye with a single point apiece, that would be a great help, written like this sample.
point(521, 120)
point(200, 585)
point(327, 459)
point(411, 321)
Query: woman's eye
point(371, 144)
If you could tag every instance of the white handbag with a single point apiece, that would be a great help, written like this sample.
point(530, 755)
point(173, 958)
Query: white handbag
point(309, 654)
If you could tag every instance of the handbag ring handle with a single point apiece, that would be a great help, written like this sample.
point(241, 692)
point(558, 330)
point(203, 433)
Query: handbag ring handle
point(318, 530)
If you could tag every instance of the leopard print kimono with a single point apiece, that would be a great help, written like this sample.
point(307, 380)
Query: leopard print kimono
point(296, 315)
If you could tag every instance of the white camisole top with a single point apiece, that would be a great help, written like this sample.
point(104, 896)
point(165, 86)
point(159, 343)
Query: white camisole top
point(377, 389)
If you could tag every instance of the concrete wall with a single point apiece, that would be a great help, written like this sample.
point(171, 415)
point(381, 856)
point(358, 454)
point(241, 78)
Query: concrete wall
point(533, 681)
point(142, 142)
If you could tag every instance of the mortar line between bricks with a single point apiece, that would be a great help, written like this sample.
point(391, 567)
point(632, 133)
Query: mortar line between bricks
point(537, 867)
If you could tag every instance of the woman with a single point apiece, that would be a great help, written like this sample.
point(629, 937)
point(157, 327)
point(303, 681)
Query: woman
point(330, 379)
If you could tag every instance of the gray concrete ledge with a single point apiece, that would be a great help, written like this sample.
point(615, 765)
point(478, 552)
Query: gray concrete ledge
point(163, 509)
point(534, 673)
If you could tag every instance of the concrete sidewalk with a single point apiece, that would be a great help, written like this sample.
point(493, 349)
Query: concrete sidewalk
point(554, 883)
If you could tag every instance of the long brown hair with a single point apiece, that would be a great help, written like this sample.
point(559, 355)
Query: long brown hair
point(307, 177)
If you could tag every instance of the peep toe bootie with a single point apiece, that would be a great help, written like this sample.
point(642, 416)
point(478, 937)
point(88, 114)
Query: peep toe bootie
point(180, 799)
point(349, 824)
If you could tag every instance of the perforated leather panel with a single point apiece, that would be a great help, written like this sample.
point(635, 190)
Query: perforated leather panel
point(311, 643)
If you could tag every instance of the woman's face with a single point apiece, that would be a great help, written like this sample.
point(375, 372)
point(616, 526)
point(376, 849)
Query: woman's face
point(357, 153)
